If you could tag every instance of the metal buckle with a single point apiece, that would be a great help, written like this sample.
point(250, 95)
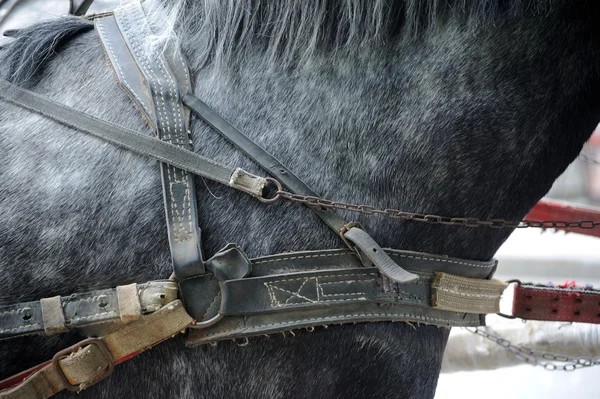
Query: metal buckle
point(509, 316)
point(72, 349)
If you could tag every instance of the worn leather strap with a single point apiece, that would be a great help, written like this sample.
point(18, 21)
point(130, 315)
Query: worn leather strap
point(128, 139)
point(86, 363)
point(231, 327)
point(367, 249)
point(58, 314)
point(533, 302)
point(79, 7)
point(171, 125)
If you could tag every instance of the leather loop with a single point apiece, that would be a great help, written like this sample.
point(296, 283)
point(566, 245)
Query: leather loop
point(377, 255)
point(130, 308)
point(52, 315)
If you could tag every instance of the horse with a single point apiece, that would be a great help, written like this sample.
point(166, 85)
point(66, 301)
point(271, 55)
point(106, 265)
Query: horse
point(460, 107)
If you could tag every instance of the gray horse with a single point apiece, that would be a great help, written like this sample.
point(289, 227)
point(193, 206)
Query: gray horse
point(456, 107)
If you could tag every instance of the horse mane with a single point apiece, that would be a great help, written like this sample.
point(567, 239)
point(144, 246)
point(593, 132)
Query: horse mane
point(22, 58)
point(289, 31)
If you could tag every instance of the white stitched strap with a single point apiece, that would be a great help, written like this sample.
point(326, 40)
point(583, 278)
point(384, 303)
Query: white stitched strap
point(130, 308)
point(52, 315)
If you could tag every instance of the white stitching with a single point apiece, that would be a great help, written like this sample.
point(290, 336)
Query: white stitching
point(345, 317)
point(19, 328)
point(438, 260)
point(99, 24)
point(112, 312)
point(14, 311)
point(301, 257)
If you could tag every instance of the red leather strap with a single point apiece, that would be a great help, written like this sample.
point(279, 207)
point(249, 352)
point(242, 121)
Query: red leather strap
point(551, 210)
point(556, 304)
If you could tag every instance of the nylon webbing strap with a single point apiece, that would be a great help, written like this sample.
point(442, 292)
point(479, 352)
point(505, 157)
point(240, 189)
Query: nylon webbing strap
point(88, 362)
point(468, 295)
point(125, 138)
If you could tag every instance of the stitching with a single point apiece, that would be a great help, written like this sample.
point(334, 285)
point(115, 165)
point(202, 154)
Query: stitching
point(185, 69)
point(160, 99)
point(209, 306)
point(99, 24)
point(13, 311)
point(343, 317)
point(112, 312)
point(19, 328)
point(302, 257)
point(333, 275)
point(438, 260)
point(185, 231)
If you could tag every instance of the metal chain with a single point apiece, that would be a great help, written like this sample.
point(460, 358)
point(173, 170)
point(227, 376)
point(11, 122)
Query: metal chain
point(434, 219)
point(547, 360)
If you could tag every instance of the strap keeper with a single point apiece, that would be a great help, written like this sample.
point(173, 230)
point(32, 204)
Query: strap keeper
point(130, 308)
point(52, 315)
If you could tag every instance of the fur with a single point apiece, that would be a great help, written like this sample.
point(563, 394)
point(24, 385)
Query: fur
point(455, 118)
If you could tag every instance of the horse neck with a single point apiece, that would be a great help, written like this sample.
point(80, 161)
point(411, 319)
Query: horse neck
point(465, 120)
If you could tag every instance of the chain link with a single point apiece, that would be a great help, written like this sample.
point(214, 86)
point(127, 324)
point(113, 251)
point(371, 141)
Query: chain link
point(548, 360)
point(434, 219)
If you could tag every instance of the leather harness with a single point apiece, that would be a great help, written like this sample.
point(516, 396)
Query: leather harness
point(227, 296)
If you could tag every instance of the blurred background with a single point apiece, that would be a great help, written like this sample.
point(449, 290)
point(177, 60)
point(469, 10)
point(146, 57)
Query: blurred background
point(472, 365)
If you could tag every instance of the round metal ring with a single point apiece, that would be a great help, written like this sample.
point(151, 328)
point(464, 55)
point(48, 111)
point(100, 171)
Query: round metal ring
point(212, 321)
point(277, 184)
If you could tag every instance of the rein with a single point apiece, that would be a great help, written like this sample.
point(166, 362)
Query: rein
point(230, 296)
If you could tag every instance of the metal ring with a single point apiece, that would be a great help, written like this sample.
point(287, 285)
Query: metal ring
point(276, 197)
point(204, 324)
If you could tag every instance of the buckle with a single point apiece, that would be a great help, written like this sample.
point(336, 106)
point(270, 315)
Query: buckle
point(72, 349)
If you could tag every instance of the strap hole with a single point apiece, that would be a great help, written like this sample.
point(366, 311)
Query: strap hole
point(556, 299)
point(578, 300)
point(577, 313)
point(528, 309)
point(554, 311)
point(103, 303)
point(374, 249)
point(27, 314)
point(528, 297)
point(162, 296)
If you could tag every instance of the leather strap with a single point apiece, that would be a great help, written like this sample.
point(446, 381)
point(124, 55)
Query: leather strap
point(172, 126)
point(128, 139)
point(231, 327)
point(79, 7)
point(357, 238)
point(533, 302)
point(58, 314)
point(92, 360)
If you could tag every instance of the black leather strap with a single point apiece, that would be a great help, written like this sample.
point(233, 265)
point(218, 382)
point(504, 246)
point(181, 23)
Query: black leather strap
point(128, 139)
point(79, 7)
point(366, 248)
point(171, 126)
point(262, 157)
point(319, 288)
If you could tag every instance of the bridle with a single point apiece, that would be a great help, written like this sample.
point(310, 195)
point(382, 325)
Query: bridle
point(230, 296)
